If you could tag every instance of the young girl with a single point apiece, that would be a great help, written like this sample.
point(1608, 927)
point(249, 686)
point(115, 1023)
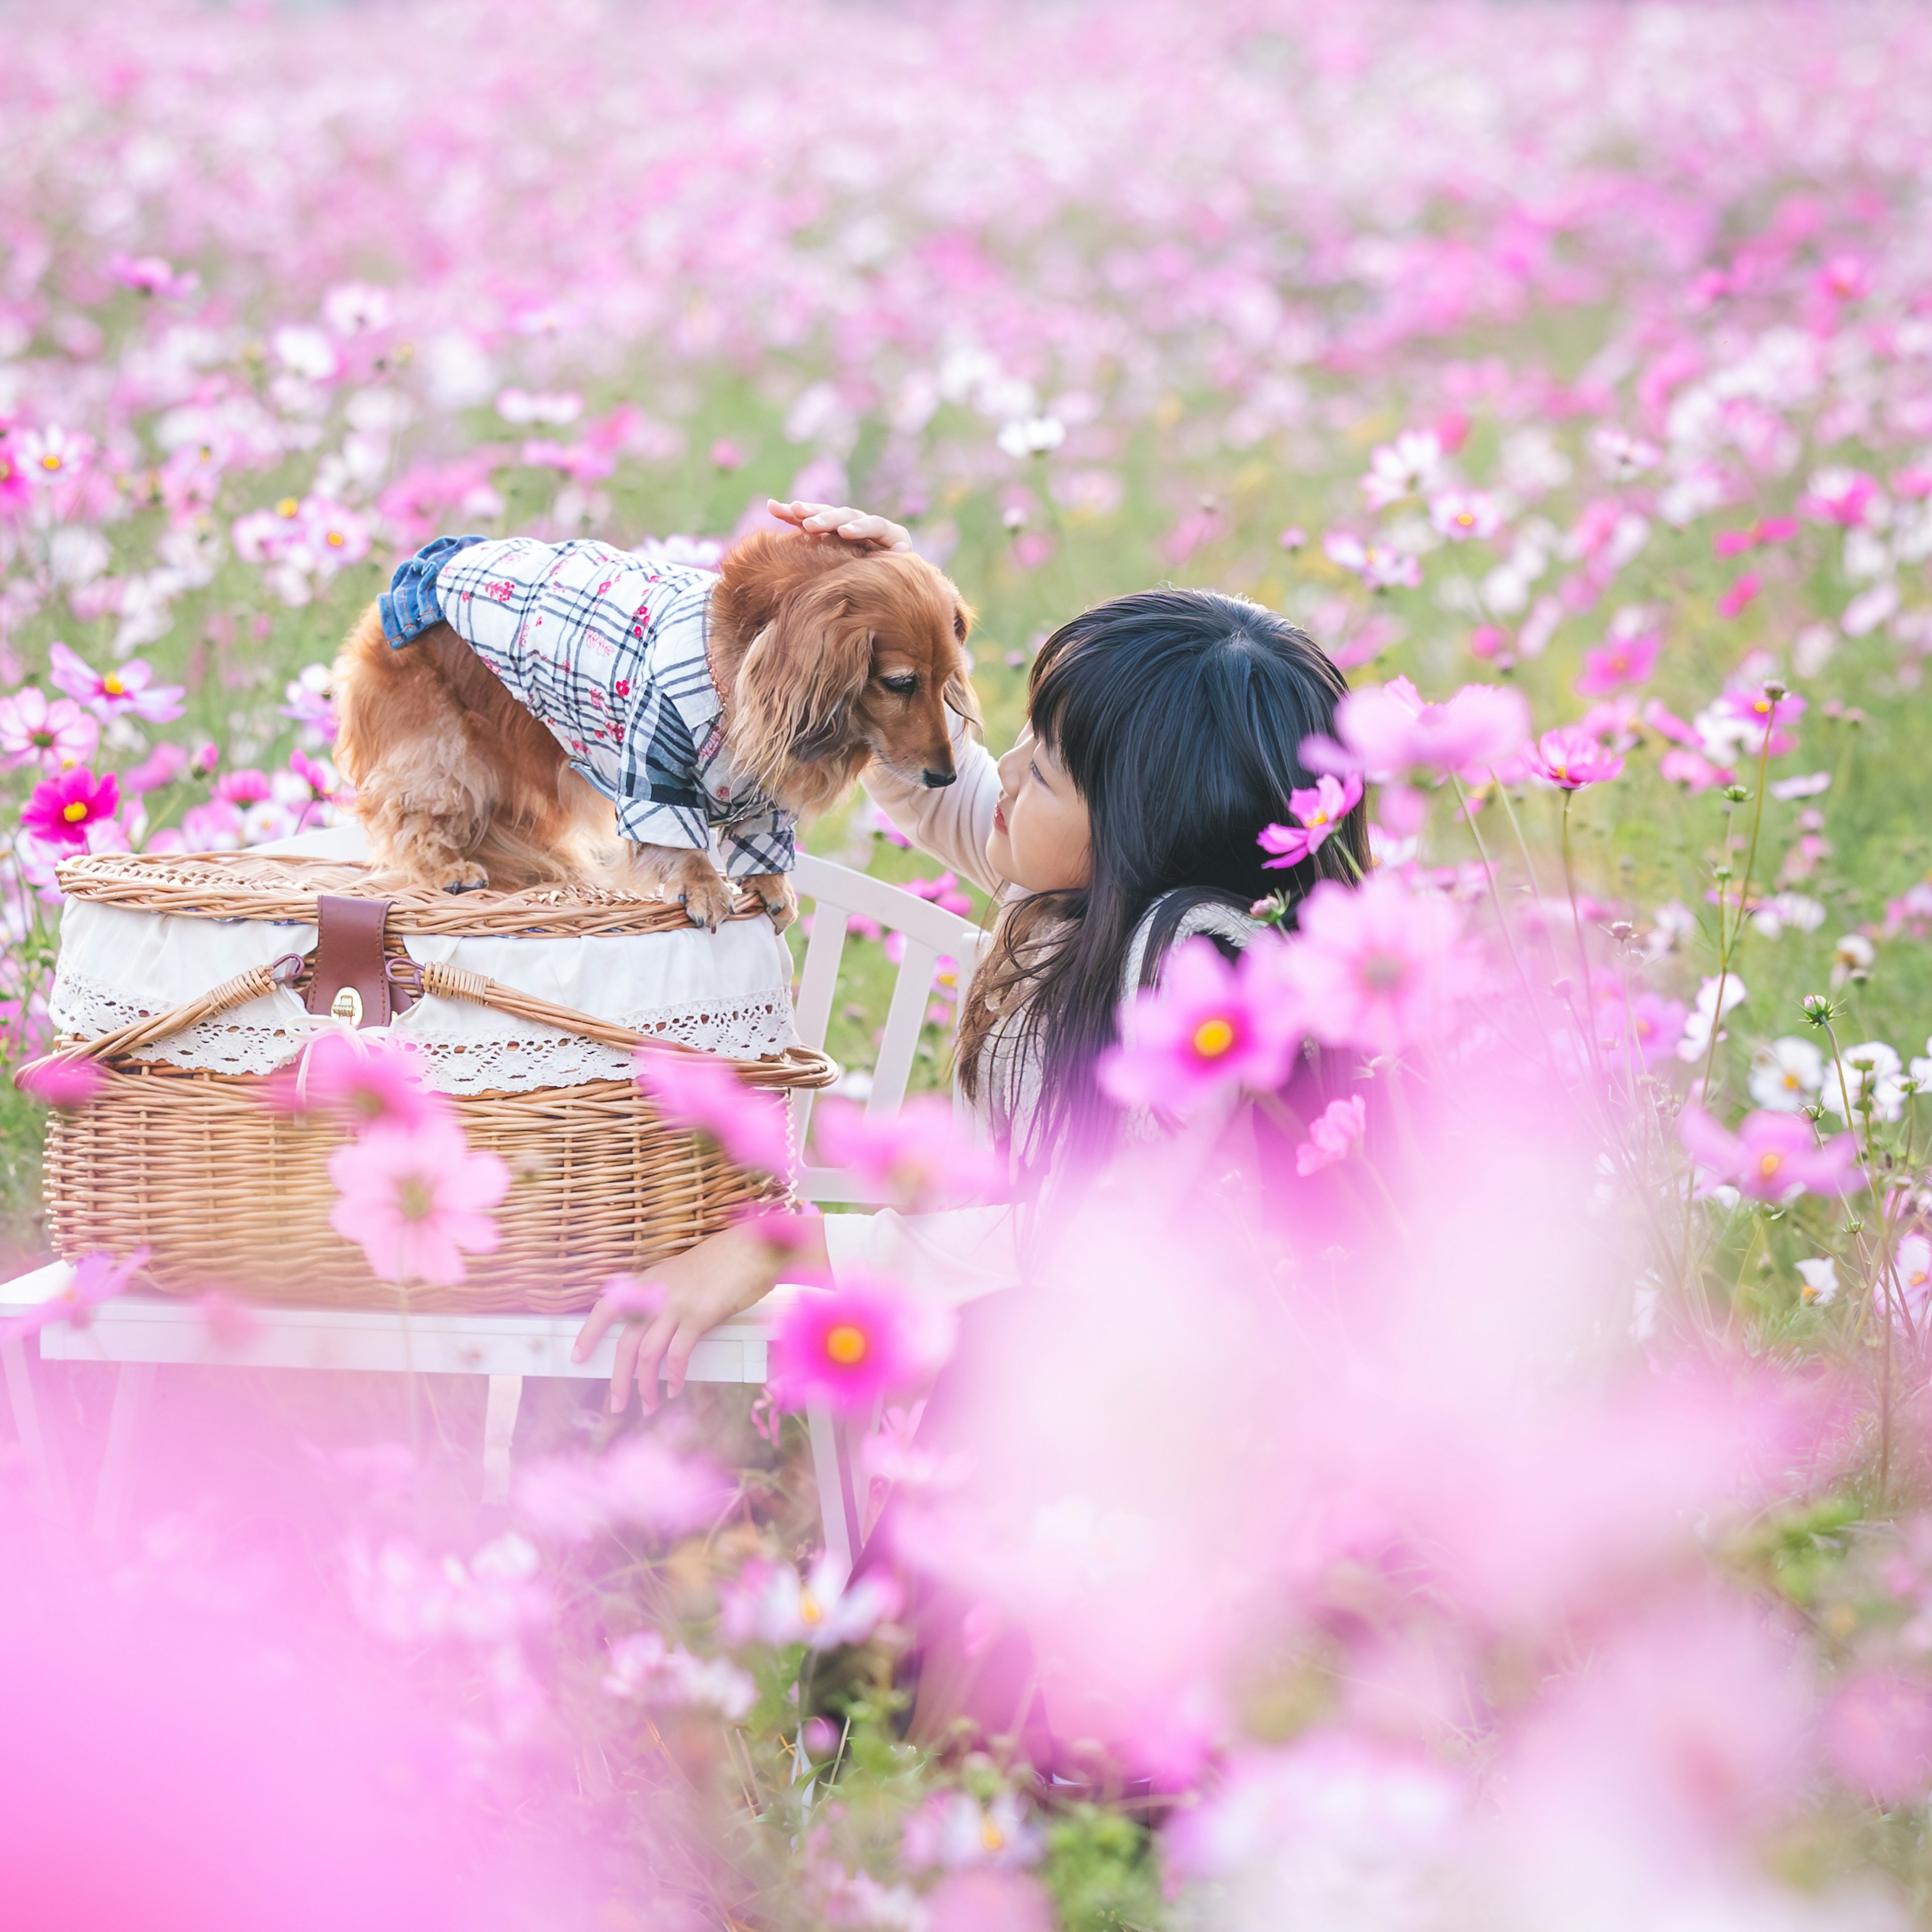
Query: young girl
point(1164, 732)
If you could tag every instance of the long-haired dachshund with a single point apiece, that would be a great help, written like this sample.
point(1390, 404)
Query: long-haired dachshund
point(509, 705)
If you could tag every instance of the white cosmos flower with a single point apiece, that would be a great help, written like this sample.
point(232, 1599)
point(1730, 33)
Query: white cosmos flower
point(1696, 1040)
point(1788, 1073)
point(1821, 1281)
point(1871, 1068)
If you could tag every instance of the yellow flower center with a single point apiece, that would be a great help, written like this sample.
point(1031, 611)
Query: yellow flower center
point(50, 461)
point(992, 1837)
point(111, 686)
point(1768, 1164)
point(415, 1198)
point(847, 1345)
point(336, 539)
point(1212, 1038)
point(808, 1611)
point(1315, 819)
point(287, 507)
point(74, 813)
point(1466, 518)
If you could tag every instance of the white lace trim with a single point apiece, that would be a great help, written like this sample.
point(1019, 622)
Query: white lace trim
point(258, 1038)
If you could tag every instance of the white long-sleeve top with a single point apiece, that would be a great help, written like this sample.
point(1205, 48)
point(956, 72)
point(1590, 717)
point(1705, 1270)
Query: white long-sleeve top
point(958, 1254)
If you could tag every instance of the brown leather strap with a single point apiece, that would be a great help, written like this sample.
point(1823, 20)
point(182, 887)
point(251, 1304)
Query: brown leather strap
point(349, 959)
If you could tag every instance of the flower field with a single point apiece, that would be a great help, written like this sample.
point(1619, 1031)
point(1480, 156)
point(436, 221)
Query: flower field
point(1503, 1499)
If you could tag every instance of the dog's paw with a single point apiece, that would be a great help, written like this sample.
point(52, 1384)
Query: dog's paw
point(464, 875)
point(706, 901)
point(776, 895)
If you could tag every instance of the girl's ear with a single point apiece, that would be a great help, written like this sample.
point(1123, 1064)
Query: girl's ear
point(799, 682)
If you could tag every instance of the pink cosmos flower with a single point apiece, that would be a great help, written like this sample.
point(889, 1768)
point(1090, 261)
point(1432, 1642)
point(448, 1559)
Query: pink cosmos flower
point(1772, 1156)
point(414, 1202)
point(229, 1324)
point(1206, 1028)
point(244, 786)
point(639, 1480)
point(1740, 594)
point(698, 1091)
point(52, 454)
point(1462, 515)
point(644, 1667)
point(63, 807)
point(1379, 966)
point(160, 769)
point(852, 1343)
point(362, 1082)
point(1320, 812)
point(1621, 660)
point(915, 1157)
point(1878, 1735)
point(1386, 729)
point(1570, 758)
point(97, 1278)
point(1840, 495)
point(152, 275)
point(1332, 1137)
point(1691, 769)
point(1651, 1023)
point(50, 732)
point(1395, 468)
point(1379, 566)
point(1751, 716)
point(60, 1083)
point(335, 534)
point(771, 1604)
point(130, 691)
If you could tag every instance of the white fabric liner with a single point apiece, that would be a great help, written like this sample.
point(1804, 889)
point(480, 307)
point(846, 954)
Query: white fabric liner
point(728, 992)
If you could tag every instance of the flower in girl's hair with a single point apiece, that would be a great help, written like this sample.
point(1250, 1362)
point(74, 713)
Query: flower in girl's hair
point(63, 807)
point(1342, 1123)
point(1570, 758)
point(1772, 1156)
point(849, 1345)
point(1207, 1027)
point(699, 1091)
point(365, 1083)
point(1320, 812)
point(414, 1203)
point(912, 1159)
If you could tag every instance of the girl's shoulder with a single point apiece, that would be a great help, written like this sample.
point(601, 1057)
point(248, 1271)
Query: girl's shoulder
point(1167, 924)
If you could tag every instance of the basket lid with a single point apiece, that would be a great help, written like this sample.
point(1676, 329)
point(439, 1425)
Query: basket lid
point(284, 887)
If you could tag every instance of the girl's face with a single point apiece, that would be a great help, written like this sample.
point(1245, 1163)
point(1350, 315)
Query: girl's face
point(1041, 839)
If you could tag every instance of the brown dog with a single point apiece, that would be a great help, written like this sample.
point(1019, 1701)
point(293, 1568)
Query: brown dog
point(823, 653)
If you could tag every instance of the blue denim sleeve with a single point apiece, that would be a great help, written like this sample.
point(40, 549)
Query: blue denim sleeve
point(410, 605)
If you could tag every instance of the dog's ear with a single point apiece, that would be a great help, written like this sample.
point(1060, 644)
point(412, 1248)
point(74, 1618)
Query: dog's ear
point(796, 688)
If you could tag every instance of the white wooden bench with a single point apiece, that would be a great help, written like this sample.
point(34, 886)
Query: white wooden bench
point(143, 1334)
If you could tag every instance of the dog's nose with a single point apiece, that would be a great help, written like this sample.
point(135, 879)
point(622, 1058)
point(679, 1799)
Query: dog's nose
point(936, 779)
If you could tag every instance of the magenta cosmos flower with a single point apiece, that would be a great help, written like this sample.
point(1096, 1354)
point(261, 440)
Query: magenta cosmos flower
point(52, 733)
point(63, 807)
point(1389, 729)
point(1376, 967)
point(416, 1203)
point(1772, 1156)
point(849, 1345)
point(363, 1082)
point(1622, 661)
point(913, 1158)
point(1320, 812)
point(130, 691)
point(1570, 758)
point(1208, 1028)
point(698, 1091)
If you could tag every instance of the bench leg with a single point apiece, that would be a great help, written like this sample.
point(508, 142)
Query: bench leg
point(132, 1389)
point(500, 1425)
point(50, 1484)
point(837, 1503)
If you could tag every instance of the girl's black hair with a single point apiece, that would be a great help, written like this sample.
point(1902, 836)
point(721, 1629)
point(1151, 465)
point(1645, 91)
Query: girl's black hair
point(1179, 716)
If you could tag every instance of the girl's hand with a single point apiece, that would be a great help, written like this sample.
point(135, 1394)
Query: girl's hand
point(721, 1276)
point(854, 526)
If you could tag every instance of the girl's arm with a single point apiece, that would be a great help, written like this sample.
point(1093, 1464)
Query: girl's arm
point(951, 822)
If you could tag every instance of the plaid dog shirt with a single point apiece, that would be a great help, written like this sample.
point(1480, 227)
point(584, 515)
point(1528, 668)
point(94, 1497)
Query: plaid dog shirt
point(606, 650)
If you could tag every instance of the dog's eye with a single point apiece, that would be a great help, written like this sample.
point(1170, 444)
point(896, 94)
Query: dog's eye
point(905, 683)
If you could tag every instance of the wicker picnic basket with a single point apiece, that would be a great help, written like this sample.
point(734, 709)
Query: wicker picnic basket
point(229, 1193)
